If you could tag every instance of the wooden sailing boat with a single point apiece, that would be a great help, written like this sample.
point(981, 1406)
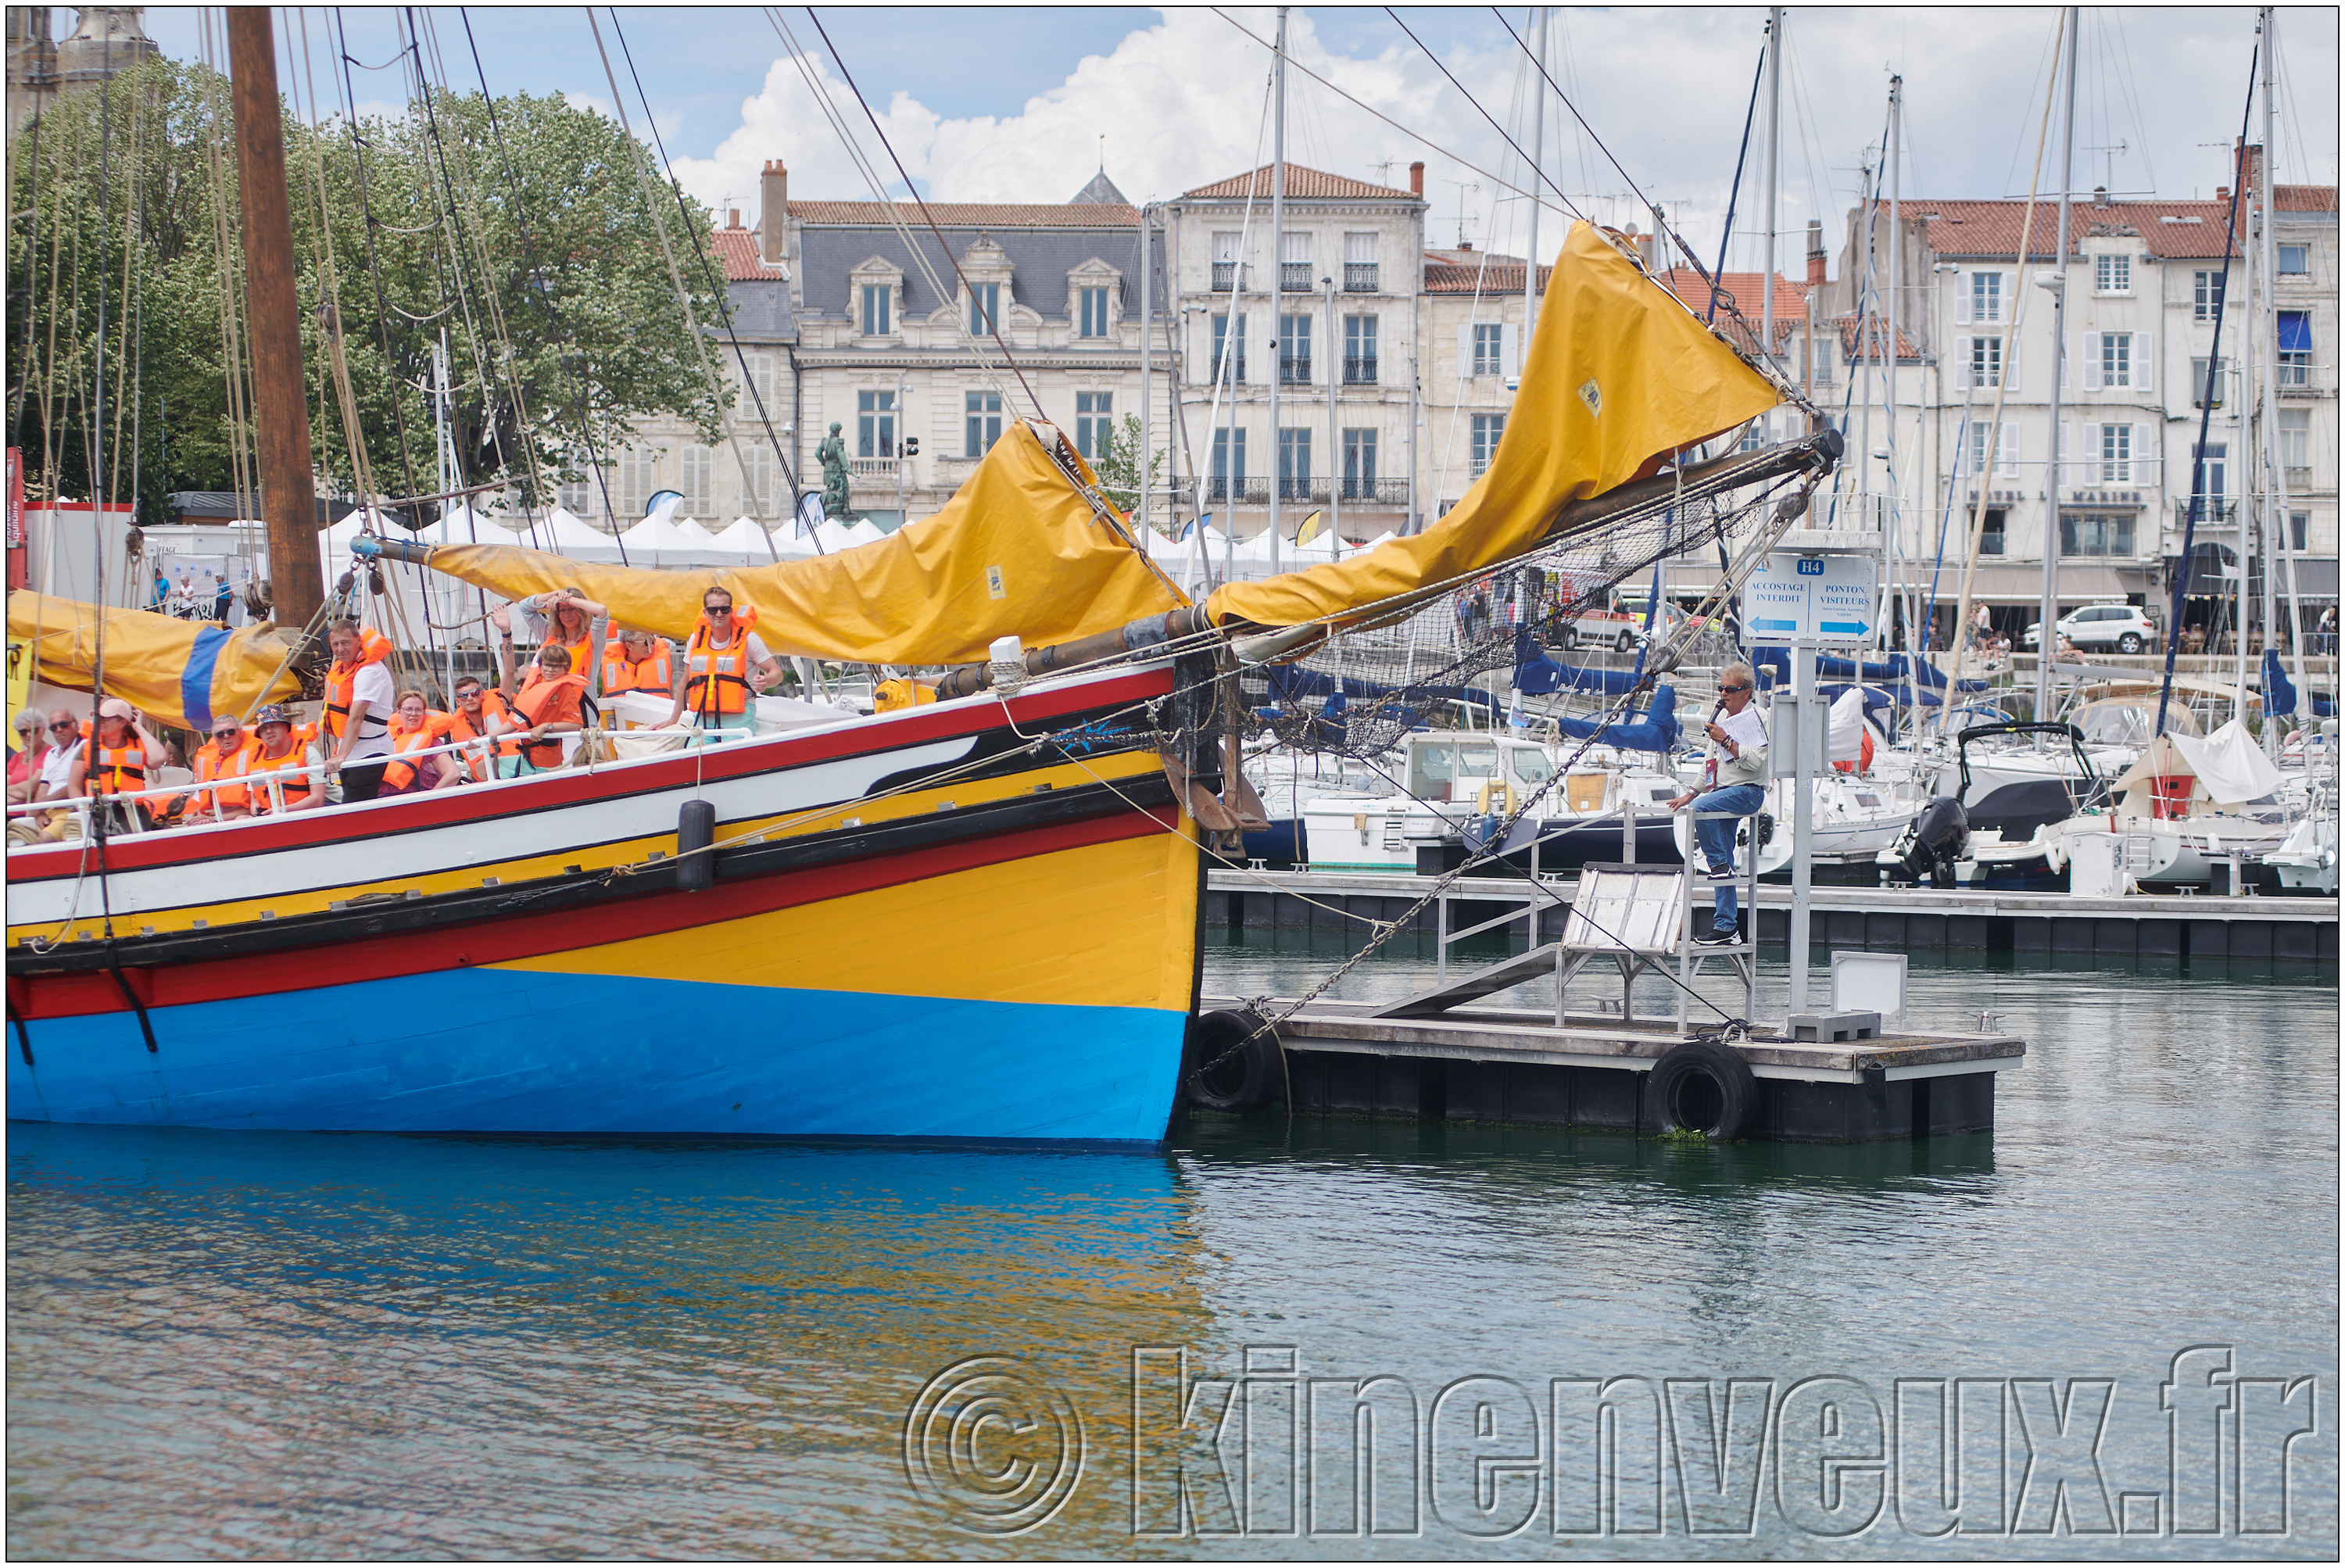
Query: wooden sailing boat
point(977, 918)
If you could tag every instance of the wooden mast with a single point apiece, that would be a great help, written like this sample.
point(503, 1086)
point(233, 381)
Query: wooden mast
point(287, 491)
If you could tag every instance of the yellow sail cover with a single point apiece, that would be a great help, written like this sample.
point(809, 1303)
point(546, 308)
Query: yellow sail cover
point(1016, 551)
point(1618, 374)
point(177, 673)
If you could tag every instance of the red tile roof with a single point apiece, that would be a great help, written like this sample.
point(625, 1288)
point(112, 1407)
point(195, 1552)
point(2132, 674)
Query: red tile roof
point(2179, 230)
point(1465, 278)
point(1748, 292)
point(1907, 349)
point(968, 214)
point(1309, 184)
point(737, 249)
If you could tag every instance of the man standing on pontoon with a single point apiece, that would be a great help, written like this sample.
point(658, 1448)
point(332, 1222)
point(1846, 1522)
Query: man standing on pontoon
point(1734, 778)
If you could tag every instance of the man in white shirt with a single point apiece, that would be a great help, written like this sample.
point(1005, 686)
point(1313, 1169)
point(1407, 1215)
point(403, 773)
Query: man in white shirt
point(362, 749)
point(1734, 774)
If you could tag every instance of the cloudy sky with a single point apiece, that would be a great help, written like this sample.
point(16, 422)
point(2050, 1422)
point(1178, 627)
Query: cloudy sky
point(1015, 105)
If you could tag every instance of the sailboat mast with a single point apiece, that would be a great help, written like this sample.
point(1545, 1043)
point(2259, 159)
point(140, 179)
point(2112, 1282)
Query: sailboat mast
point(1768, 206)
point(1280, 347)
point(1539, 132)
point(288, 491)
point(2048, 605)
point(2282, 550)
point(1889, 518)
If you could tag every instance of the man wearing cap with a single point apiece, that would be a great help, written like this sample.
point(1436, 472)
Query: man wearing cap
point(118, 761)
point(282, 758)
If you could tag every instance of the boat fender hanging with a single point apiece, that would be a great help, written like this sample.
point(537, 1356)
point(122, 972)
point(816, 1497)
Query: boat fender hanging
point(1701, 1086)
point(1231, 1061)
point(696, 831)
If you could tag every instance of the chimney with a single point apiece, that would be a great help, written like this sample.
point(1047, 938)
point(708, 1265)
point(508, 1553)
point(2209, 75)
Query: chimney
point(2222, 195)
point(2249, 162)
point(773, 213)
point(732, 218)
point(2100, 196)
point(1815, 252)
point(1417, 180)
point(1464, 243)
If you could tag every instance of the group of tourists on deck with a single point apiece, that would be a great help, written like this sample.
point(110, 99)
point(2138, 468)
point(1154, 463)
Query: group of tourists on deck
point(379, 741)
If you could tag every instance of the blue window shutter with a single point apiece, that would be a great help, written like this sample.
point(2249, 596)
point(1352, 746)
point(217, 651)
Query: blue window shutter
point(2295, 331)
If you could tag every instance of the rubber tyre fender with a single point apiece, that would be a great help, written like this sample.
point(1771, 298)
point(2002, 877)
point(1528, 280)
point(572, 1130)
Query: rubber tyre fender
point(1699, 1082)
point(1247, 1081)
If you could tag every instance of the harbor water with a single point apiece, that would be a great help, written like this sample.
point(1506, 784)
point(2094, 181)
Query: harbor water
point(1298, 1337)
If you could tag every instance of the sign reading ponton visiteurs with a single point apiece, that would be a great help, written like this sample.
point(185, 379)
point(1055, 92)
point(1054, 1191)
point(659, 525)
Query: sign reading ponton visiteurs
point(1828, 598)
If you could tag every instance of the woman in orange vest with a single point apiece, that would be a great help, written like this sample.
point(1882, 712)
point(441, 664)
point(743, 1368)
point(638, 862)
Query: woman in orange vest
point(415, 726)
point(725, 664)
point(283, 752)
point(480, 714)
point(565, 618)
point(637, 661)
point(551, 704)
point(117, 761)
point(359, 700)
point(216, 760)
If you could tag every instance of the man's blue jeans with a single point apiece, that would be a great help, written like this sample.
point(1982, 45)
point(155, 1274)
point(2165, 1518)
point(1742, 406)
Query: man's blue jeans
point(1716, 836)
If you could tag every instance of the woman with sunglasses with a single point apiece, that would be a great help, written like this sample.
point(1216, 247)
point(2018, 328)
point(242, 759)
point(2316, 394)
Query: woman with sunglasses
point(725, 664)
point(1734, 776)
point(32, 750)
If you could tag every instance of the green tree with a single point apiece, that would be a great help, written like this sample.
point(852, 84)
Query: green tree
point(1118, 465)
point(524, 238)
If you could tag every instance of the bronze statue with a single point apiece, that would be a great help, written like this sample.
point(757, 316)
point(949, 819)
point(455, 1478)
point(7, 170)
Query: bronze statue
point(832, 454)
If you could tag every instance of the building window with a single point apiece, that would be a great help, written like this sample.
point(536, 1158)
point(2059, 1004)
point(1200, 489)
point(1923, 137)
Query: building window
point(638, 477)
point(1360, 263)
point(582, 497)
point(2004, 463)
point(2205, 392)
point(2294, 260)
point(1359, 465)
point(2295, 440)
point(1226, 260)
point(984, 414)
point(1094, 423)
point(1295, 263)
point(984, 310)
point(2296, 348)
point(1295, 351)
point(1754, 436)
point(2206, 295)
point(1221, 344)
point(757, 384)
point(2112, 274)
point(1488, 427)
point(1094, 313)
point(2117, 454)
point(1360, 351)
point(1228, 480)
point(1489, 350)
point(874, 423)
point(2300, 529)
point(756, 463)
point(2210, 479)
point(1986, 300)
point(875, 309)
point(1986, 361)
point(1295, 465)
point(2116, 357)
point(696, 467)
point(1991, 533)
point(2096, 533)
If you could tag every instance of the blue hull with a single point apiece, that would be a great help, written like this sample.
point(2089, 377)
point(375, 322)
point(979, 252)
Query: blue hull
point(511, 1051)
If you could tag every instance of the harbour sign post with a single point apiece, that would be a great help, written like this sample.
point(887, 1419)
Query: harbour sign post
point(1795, 596)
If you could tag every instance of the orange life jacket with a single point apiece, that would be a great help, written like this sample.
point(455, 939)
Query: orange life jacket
point(113, 770)
point(400, 775)
point(343, 679)
point(460, 728)
point(212, 764)
point(580, 653)
point(653, 676)
point(540, 701)
point(294, 764)
point(717, 679)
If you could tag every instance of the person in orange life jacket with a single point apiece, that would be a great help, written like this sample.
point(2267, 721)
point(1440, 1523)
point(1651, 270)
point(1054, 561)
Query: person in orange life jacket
point(216, 760)
point(567, 617)
point(282, 752)
point(359, 700)
point(480, 714)
point(638, 661)
point(415, 727)
point(119, 760)
point(549, 704)
point(725, 664)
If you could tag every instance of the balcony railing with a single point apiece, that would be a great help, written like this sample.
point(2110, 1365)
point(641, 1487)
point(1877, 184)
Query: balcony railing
point(2295, 370)
point(1360, 370)
point(1237, 368)
point(1294, 370)
point(2214, 509)
point(1239, 490)
point(1373, 491)
point(872, 467)
point(1359, 277)
point(1294, 277)
point(1225, 276)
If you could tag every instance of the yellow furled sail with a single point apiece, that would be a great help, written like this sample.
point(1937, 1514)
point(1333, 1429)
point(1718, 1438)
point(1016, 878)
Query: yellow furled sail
point(1619, 374)
point(177, 673)
point(1018, 551)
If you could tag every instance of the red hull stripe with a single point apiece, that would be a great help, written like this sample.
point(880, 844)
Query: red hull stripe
point(571, 787)
point(511, 937)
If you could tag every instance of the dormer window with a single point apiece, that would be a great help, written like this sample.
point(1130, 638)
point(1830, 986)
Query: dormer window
point(2113, 274)
point(984, 310)
point(1092, 313)
point(874, 300)
point(875, 303)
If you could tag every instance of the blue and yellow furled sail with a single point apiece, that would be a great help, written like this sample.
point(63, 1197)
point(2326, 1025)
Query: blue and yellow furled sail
point(177, 673)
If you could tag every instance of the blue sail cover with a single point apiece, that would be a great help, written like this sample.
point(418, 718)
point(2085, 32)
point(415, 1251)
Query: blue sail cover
point(1887, 671)
point(1538, 676)
point(2279, 692)
point(1656, 730)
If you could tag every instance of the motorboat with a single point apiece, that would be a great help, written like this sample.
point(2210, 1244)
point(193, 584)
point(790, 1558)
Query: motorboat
point(2186, 806)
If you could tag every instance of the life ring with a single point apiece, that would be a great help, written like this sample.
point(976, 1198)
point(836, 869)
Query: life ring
point(1495, 788)
point(1231, 1061)
point(1702, 1087)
